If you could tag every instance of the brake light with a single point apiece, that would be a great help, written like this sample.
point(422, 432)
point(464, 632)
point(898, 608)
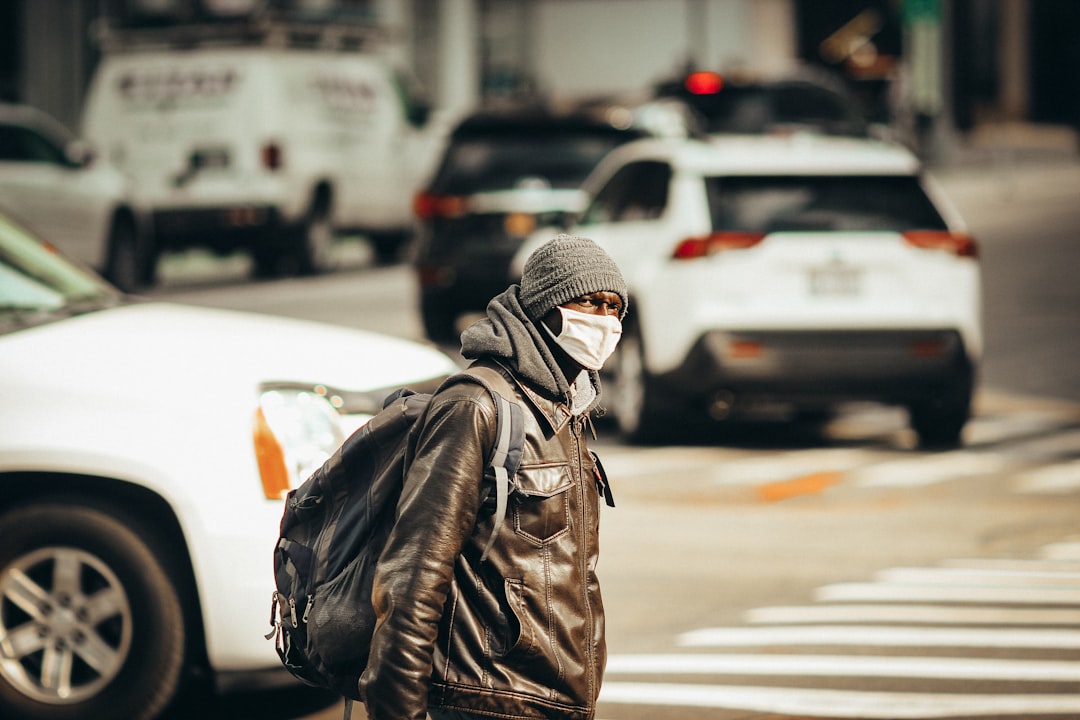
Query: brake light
point(705, 245)
point(429, 205)
point(271, 156)
point(704, 83)
point(928, 348)
point(959, 244)
point(745, 350)
point(434, 276)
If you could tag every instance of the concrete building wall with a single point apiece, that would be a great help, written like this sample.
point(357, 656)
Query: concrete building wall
point(591, 47)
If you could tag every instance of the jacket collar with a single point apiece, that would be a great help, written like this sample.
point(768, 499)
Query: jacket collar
point(557, 414)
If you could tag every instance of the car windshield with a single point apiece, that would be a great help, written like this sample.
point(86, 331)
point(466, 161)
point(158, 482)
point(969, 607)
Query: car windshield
point(820, 204)
point(38, 285)
point(502, 161)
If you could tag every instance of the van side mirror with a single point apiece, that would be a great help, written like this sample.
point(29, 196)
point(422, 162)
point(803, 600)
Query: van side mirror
point(78, 153)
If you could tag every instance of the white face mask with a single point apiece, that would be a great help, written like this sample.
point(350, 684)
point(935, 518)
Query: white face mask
point(589, 339)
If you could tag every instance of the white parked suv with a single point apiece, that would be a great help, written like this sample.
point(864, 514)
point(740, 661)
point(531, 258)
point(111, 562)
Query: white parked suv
point(145, 449)
point(263, 146)
point(796, 271)
point(56, 184)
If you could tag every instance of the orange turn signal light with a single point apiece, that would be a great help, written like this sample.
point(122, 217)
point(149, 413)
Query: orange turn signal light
point(271, 459)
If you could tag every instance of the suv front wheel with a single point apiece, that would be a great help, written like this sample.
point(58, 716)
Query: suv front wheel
point(93, 626)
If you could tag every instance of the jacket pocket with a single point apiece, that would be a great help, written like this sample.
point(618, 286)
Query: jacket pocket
point(541, 507)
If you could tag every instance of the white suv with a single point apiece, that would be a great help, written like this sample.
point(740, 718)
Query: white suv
point(144, 452)
point(794, 271)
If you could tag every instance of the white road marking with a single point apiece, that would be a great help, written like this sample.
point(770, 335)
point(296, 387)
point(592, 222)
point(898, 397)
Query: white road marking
point(972, 577)
point(935, 668)
point(865, 635)
point(925, 614)
point(870, 592)
point(893, 598)
point(1062, 551)
point(1001, 428)
point(928, 470)
point(1015, 565)
point(839, 703)
point(1052, 480)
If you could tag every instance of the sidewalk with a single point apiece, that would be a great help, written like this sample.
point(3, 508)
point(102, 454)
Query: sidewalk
point(1012, 162)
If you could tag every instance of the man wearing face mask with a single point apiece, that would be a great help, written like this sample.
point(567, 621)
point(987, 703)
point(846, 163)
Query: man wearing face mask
point(518, 632)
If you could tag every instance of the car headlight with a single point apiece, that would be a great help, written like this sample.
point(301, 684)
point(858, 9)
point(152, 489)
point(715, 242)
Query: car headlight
point(295, 432)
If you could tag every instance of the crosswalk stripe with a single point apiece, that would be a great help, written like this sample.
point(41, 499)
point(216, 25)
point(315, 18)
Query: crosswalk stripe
point(864, 635)
point(1060, 444)
point(973, 577)
point(839, 703)
point(907, 613)
point(863, 592)
point(1049, 566)
point(1051, 480)
point(985, 430)
point(1062, 551)
point(847, 666)
point(899, 595)
point(921, 471)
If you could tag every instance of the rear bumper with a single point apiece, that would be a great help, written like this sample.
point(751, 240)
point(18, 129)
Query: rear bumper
point(820, 368)
point(225, 227)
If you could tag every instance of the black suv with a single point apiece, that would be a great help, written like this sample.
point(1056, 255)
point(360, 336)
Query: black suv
point(800, 101)
point(503, 175)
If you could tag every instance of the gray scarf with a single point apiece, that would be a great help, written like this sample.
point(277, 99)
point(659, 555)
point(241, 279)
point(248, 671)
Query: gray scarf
point(508, 335)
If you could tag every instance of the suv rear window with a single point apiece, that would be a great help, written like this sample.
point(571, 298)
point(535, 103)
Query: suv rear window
point(499, 160)
point(820, 204)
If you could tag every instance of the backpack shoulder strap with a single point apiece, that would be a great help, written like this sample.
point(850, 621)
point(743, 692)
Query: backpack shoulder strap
point(505, 457)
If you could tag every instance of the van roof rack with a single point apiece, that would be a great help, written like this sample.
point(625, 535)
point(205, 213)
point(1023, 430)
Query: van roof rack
point(265, 29)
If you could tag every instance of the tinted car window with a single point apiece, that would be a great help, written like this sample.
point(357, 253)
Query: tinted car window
point(499, 160)
point(637, 191)
point(37, 285)
point(820, 204)
point(23, 145)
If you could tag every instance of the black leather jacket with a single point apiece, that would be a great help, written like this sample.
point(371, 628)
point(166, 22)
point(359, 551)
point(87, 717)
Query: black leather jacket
point(520, 635)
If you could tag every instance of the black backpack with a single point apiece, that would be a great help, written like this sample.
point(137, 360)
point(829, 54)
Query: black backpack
point(335, 526)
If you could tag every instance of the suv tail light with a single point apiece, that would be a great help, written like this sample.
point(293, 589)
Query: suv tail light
point(271, 156)
point(703, 83)
point(429, 205)
point(705, 245)
point(959, 244)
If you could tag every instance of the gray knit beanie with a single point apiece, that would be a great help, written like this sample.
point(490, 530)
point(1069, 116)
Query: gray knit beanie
point(564, 268)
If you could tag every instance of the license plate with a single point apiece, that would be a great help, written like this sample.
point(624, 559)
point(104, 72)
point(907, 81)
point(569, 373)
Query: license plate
point(835, 280)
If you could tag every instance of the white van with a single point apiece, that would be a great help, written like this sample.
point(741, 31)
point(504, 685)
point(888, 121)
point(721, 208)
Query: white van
point(266, 147)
